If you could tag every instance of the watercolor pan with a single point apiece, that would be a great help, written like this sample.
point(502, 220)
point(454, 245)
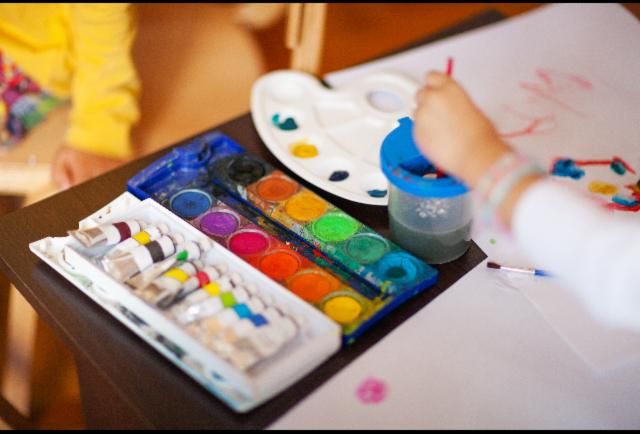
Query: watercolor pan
point(332, 137)
point(292, 264)
point(220, 176)
point(316, 339)
point(318, 223)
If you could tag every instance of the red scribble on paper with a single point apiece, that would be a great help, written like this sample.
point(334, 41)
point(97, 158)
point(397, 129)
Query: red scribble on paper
point(620, 207)
point(551, 86)
point(372, 391)
point(530, 129)
point(635, 190)
point(536, 124)
point(544, 94)
point(615, 159)
point(555, 83)
point(562, 79)
point(625, 164)
point(635, 194)
point(592, 162)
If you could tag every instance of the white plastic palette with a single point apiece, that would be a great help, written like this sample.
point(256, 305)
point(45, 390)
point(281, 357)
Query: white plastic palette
point(332, 137)
point(317, 338)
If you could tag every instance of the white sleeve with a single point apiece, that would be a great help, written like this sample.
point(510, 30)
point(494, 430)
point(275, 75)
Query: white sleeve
point(592, 251)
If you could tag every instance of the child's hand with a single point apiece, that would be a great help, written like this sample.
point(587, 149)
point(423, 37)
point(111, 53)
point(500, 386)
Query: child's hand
point(452, 132)
point(71, 167)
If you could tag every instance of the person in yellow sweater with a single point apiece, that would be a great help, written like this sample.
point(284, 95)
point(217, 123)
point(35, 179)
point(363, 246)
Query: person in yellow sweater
point(56, 52)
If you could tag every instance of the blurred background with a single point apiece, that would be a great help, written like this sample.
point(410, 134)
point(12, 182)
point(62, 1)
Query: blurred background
point(197, 63)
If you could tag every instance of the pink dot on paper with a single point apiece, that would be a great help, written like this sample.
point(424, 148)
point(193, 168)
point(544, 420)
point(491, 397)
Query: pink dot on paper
point(372, 390)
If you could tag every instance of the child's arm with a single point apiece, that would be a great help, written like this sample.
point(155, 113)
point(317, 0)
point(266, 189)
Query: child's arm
point(105, 83)
point(593, 251)
point(455, 135)
point(71, 167)
point(104, 91)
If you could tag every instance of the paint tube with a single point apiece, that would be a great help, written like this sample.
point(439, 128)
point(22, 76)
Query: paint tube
point(235, 278)
point(212, 305)
point(242, 324)
point(190, 250)
point(168, 284)
point(211, 282)
point(269, 315)
point(107, 234)
point(229, 317)
point(227, 327)
point(263, 342)
point(150, 233)
point(269, 339)
point(140, 258)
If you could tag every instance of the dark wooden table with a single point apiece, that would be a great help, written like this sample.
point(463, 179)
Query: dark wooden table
point(124, 382)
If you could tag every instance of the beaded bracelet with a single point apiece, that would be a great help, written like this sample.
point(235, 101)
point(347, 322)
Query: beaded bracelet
point(495, 172)
point(498, 182)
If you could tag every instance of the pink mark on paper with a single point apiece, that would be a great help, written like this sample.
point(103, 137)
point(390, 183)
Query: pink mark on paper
point(536, 125)
point(635, 189)
point(617, 206)
point(555, 83)
point(547, 76)
point(372, 391)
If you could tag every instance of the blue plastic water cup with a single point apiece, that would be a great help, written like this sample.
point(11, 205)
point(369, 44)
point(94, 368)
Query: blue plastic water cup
point(430, 215)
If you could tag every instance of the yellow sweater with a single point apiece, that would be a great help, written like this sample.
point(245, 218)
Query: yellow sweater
point(82, 52)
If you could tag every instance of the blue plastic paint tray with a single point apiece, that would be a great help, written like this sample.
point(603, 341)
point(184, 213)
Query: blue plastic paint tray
point(326, 257)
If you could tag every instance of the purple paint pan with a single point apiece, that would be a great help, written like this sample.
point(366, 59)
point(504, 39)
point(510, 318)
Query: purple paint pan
point(219, 222)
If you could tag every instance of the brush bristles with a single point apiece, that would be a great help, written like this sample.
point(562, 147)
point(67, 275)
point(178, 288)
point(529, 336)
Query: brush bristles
point(492, 265)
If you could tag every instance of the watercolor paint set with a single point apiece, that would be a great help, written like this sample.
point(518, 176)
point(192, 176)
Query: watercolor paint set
point(331, 260)
point(331, 137)
point(226, 324)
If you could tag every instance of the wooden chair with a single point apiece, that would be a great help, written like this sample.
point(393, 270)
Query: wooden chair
point(305, 35)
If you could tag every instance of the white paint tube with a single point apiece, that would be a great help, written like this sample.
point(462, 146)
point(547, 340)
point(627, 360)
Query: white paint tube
point(107, 234)
point(140, 258)
point(148, 234)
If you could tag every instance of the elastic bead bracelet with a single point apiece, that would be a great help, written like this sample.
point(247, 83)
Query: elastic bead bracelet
point(490, 178)
point(503, 187)
point(495, 172)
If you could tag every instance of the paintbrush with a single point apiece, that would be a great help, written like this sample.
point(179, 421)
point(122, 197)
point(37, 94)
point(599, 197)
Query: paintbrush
point(449, 66)
point(533, 271)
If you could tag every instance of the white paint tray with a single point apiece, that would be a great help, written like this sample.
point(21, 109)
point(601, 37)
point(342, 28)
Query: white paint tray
point(324, 134)
point(317, 338)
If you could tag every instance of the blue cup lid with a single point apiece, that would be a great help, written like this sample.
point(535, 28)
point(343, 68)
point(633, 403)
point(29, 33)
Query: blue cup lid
point(405, 167)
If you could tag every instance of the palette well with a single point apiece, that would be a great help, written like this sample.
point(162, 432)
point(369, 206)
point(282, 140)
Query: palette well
point(318, 223)
point(332, 137)
point(207, 333)
point(294, 268)
point(315, 250)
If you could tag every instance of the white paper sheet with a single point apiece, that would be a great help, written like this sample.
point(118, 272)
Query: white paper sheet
point(481, 355)
point(569, 73)
point(477, 357)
